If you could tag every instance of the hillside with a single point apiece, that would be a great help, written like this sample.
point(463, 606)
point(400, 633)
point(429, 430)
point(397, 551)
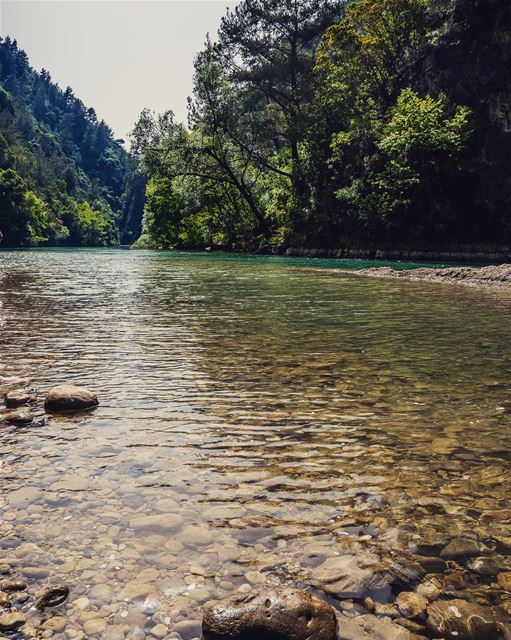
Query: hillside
point(64, 179)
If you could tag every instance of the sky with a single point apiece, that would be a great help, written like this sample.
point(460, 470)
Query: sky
point(119, 56)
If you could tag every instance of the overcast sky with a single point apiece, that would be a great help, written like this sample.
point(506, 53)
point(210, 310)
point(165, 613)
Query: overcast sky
point(119, 56)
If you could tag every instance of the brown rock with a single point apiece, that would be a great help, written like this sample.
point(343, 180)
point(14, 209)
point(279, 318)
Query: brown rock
point(16, 399)
point(68, 397)
point(463, 548)
point(18, 417)
point(53, 596)
point(13, 585)
point(12, 621)
point(287, 614)
point(410, 604)
point(504, 580)
point(462, 620)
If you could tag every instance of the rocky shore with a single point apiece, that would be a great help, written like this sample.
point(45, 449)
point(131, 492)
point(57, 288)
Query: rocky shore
point(491, 277)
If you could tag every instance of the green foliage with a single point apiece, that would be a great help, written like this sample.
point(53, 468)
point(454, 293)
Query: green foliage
point(422, 125)
point(65, 158)
point(308, 126)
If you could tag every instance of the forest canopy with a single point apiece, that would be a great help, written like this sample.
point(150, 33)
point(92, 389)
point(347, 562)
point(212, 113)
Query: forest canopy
point(313, 123)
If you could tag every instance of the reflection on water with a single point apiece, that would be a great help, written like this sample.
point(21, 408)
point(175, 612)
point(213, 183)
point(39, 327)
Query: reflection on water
point(274, 417)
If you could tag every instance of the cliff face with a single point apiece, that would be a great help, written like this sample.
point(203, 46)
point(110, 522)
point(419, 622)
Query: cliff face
point(470, 61)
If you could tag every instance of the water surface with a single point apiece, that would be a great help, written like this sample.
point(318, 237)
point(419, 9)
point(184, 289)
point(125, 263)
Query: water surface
point(285, 415)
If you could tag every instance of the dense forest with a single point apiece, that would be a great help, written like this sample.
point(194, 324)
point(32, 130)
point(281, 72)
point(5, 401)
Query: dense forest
point(64, 179)
point(326, 123)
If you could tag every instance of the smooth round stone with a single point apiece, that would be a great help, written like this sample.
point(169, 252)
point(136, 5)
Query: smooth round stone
point(16, 399)
point(430, 589)
point(81, 604)
point(56, 624)
point(114, 632)
point(13, 585)
point(159, 631)
point(136, 634)
point(12, 621)
point(188, 629)
point(71, 483)
point(94, 626)
point(100, 594)
point(161, 523)
point(196, 535)
point(19, 417)
point(68, 397)
point(23, 497)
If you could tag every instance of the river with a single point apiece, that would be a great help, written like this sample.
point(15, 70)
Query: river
point(257, 419)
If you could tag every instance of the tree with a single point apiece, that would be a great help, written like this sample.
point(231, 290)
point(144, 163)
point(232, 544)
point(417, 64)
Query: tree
point(269, 45)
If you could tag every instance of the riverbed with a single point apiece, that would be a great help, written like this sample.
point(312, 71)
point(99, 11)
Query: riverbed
point(256, 420)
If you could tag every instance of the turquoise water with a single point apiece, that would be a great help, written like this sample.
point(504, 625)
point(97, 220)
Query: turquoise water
point(248, 258)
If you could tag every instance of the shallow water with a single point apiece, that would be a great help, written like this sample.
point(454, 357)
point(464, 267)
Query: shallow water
point(285, 415)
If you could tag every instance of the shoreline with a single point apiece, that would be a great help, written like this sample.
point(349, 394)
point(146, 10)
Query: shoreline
point(489, 277)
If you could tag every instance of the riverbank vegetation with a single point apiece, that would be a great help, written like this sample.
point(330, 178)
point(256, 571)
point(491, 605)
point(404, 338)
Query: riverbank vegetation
point(64, 179)
point(325, 124)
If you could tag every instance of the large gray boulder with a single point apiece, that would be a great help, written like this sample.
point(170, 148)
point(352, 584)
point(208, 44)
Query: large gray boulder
point(68, 397)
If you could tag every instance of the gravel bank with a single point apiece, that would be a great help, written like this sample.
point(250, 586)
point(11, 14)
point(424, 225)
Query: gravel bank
point(492, 277)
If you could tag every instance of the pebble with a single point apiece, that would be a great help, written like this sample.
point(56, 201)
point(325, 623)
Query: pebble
point(57, 624)
point(94, 626)
point(20, 417)
point(504, 580)
point(12, 621)
point(462, 548)
point(411, 605)
point(13, 585)
point(159, 631)
point(162, 523)
point(18, 398)
point(188, 629)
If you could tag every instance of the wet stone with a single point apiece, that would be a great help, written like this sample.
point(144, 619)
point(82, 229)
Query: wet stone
point(13, 585)
point(53, 596)
point(430, 589)
point(19, 418)
point(56, 624)
point(12, 621)
point(349, 576)
point(161, 523)
point(15, 399)
point(462, 620)
point(286, 614)
point(68, 397)
point(463, 548)
point(483, 566)
point(411, 605)
point(504, 580)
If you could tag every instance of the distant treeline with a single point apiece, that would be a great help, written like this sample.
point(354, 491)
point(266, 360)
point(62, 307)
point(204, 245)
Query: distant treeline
point(64, 179)
point(325, 123)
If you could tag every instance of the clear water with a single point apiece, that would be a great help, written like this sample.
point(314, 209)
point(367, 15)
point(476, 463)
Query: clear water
point(286, 415)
